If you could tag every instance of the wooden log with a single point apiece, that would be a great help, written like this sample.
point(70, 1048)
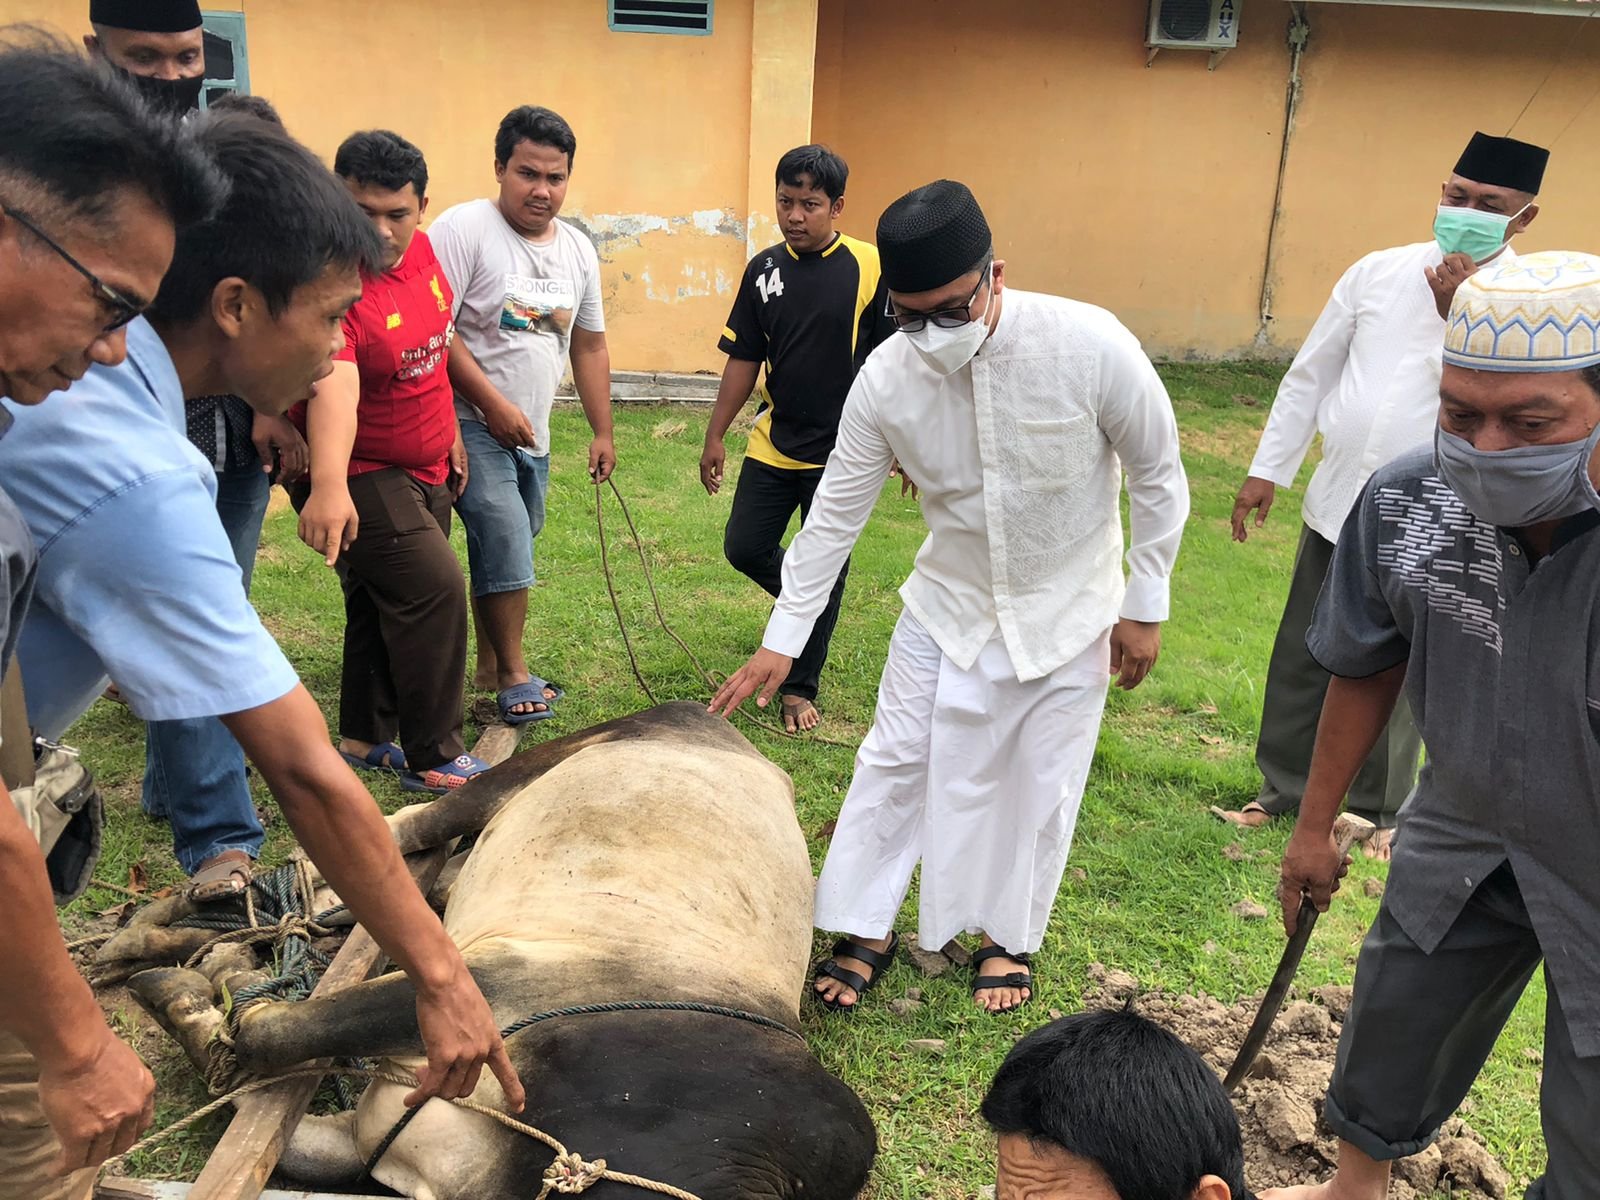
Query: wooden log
point(128, 1188)
point(497, 742)
point(264, 1121)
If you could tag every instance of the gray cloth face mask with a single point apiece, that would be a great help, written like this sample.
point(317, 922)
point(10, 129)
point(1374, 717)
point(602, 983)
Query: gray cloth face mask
point(1522, 486)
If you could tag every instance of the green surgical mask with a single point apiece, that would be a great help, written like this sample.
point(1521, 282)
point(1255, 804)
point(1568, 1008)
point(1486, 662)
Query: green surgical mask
point(1471, 231)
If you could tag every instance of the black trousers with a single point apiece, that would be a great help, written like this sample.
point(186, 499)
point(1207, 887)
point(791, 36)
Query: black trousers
point(1422, 1025)
point(405, 630)
point(753, 542)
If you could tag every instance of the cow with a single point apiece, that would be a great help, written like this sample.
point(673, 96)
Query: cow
point(653, 858)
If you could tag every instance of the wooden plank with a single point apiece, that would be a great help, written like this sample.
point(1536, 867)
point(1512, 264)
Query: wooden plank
point(264, 1121)
point(497, 742)
point(141, 1189)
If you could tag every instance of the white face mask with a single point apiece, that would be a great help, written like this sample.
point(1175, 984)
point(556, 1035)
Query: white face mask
point(948, 350)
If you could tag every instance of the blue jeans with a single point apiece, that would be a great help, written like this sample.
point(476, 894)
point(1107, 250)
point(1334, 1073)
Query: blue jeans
point(194, 771)
point(502, 510)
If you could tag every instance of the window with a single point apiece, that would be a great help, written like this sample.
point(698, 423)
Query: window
point(691, 17)
point(227, 66)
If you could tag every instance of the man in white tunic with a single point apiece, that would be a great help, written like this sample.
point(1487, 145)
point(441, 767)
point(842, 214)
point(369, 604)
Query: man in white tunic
point(1017, 415)
point(1367, 379)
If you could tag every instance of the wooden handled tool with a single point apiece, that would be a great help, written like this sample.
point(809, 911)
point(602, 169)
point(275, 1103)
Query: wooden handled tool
point(1348, 832)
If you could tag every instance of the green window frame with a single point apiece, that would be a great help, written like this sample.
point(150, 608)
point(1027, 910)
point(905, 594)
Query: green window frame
point(227, 55)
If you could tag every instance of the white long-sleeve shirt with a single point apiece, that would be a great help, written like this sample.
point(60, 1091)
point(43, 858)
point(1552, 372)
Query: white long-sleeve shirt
point(1366, 378)
point(1019, 457)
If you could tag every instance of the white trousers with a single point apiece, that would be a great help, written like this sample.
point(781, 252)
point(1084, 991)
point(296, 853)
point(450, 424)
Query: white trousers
point(976, 774)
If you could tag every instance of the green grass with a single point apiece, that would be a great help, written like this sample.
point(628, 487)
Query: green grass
point(1150, 892)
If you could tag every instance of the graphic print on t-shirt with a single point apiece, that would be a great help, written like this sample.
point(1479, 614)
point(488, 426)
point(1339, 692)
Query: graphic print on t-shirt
point(540, 305)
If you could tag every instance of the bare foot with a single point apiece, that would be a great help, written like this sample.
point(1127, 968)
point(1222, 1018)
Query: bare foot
point(1357, 1178)
point(836, 991)
point(1251, 816)
point(799, 714)
point(1380, 846)
point(1001, 999)
point(485, 677)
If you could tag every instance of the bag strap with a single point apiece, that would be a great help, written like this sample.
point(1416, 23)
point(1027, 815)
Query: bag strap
point(16, 737)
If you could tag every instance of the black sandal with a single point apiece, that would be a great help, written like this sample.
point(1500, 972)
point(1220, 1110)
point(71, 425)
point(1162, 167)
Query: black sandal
point(878, 960)
point(1017, 979)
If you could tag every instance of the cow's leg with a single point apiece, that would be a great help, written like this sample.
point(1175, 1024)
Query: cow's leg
point(322, 1153)
point(180, 1001)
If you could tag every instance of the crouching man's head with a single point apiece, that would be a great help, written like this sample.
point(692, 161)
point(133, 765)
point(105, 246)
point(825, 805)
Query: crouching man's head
point(1110, 1106)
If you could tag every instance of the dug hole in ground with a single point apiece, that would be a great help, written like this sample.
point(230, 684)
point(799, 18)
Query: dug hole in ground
point(1280, 1101)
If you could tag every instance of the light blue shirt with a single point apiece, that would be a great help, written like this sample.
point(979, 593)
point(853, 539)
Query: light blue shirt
point(136, 578)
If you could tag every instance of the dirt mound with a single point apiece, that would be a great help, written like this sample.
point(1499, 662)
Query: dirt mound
point(1280, 1101)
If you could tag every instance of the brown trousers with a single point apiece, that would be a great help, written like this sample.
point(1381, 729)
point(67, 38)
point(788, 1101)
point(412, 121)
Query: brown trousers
point(28, 1147)
point(405, 632)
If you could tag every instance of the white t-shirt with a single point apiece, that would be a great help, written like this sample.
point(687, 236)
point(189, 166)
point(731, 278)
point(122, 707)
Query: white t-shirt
point(516, 302)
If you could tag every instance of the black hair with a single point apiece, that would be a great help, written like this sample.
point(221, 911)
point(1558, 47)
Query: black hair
point(828, 172)
point(530, 123)
point(287, 219)
point(257, 106)
point(1120, 1091)
point(76, 135)
point(387, 160)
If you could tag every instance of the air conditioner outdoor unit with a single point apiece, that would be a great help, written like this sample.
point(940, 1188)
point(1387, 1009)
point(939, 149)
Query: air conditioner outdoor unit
point(1193, 25)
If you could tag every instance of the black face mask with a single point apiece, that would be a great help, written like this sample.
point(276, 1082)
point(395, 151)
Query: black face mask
point(175, 97)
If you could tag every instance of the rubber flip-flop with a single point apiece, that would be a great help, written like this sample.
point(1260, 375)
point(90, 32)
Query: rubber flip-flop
point(445, 778)
point(383, 757)
point(531, 692)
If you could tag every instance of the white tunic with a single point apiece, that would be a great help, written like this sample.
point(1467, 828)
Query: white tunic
point(1366, 378)
point(996, 678)
point(1019, 457)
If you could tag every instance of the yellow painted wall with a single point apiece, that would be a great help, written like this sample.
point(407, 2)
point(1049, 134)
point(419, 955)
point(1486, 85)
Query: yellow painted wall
point(1149, 190)
point(663, 175)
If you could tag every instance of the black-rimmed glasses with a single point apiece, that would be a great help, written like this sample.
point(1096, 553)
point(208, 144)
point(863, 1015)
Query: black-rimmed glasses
point(123, 309)
point(944, 318)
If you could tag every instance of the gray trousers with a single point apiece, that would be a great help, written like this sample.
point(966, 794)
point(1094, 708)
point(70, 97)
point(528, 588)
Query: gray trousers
point(1421, 1026)
point(1296, 685)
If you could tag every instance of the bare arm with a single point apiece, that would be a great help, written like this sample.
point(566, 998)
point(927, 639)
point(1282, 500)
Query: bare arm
point(328, 522)
point(96, 1093)
point(738, 381)
point(591, 375)
point(1353, 715)
point(342, 830)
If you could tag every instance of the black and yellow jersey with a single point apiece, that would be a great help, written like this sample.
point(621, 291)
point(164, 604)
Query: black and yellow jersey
point(812, 318)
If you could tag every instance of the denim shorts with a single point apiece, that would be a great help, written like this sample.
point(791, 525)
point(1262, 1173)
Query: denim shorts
point(502, 510)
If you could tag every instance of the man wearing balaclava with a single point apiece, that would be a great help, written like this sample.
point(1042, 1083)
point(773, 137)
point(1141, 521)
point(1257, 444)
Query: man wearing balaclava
point(1466, 574)
point(1367, 379)
point(1017, 414)
point(158, 44)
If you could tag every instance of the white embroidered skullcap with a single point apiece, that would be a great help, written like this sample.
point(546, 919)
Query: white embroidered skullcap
point(1534, 312)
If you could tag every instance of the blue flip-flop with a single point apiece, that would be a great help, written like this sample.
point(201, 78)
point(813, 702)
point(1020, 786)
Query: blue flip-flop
point(446, 777)
point(531, 692)
point(383, 757)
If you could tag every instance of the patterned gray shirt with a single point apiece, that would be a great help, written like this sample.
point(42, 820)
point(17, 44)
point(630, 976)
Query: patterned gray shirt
point(1503, 675)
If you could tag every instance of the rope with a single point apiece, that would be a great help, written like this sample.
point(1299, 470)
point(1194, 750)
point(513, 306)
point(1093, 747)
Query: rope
point(587, 1010)
point(711, 678)
point(568, 1173)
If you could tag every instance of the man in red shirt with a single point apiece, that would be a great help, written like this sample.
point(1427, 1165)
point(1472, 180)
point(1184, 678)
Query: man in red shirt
point(387, 462)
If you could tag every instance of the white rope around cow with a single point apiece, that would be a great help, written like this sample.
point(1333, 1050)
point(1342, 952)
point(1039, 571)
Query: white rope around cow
point(568, 1174)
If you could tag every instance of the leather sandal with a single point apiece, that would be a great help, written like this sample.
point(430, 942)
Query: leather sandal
point(878, 960)
point(1016, 979)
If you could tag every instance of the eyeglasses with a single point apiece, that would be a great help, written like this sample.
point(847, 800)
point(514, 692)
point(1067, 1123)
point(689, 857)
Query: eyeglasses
point(944, 318)
point(123, 308)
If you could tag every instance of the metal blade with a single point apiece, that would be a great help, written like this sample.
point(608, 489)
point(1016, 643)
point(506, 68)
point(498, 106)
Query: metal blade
point(1277, 990)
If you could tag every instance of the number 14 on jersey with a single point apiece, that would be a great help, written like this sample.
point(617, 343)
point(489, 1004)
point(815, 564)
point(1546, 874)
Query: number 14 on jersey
point(770, 285)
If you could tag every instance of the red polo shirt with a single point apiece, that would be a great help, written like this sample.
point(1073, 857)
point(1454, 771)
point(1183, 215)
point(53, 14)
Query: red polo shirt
point(398, 335)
